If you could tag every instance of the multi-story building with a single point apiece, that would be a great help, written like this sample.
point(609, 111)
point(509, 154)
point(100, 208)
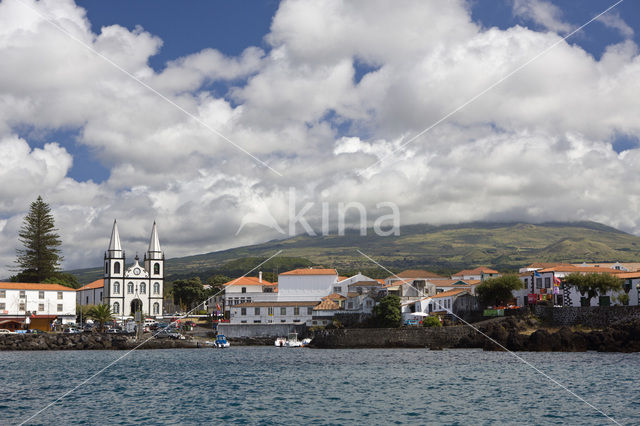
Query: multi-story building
point(36, 305)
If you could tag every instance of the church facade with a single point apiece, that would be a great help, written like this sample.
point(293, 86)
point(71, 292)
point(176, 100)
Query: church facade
point(140, 287)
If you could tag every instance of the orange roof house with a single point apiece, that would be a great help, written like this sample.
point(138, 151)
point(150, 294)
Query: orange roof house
point(311, 271)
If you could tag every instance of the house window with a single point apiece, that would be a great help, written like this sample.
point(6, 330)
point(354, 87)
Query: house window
point(87, 302)
point(41, 295)
point(257, 321)
point(547, 282)
point(3, 306)
point(116, 268)
point(283, 311)
point(116, 287)
point(59, 307)
point(538, 282)
point(106, 268)
point(369, 303)
point(143, 288)
point(21, 307)
point(337, 289)
point(243, 311)
point(526, 282)
point(243, 290)
point(256, 311)
point(41, 307)
point(3, 294)
point(156, 308)
point(156, 268)
point(130, 288)
point(59, 295)
point(309, 310)
point(350, 305)
point(270, 311)
point(116, 307)
point(22, 294)
point(296, 310)
point(101, 296)
point(283, 320)
point(156, 288)
point(296, 320)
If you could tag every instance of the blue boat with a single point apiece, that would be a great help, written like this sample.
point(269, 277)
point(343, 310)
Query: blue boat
point(221, 341)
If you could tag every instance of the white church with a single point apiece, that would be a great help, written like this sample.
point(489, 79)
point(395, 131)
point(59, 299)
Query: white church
point(140, 286)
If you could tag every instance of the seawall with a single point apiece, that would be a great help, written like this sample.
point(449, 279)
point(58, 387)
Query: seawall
point(588, 316)
point(86, 341)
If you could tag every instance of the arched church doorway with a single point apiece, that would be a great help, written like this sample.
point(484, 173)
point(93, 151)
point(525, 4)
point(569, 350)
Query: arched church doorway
point(136, 305)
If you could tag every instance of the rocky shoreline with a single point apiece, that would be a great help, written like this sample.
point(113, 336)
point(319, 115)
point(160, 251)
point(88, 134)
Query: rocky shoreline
point(88, 341)
point(514, 334)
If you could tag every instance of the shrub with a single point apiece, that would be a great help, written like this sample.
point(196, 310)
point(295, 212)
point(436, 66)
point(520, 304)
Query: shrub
point(431, 322)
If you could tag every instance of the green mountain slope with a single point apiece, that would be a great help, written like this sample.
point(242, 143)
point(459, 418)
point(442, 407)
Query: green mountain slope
point(444, 249)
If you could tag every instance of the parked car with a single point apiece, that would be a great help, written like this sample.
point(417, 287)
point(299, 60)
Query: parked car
point(71, 330)
point(412, 322)
point(114, 330)
point(168, 332)
point(5, 331)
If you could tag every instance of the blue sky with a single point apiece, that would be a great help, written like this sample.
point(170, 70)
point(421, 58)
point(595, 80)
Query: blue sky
point(232, 26)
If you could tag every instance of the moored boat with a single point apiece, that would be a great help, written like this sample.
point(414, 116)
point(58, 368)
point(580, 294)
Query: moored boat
point(221, 341)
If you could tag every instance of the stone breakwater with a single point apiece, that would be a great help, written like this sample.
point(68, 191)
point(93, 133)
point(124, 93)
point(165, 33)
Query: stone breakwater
point(512, 333)
point(85, 341)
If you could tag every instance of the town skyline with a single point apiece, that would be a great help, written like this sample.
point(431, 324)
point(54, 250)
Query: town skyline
point(326, 99)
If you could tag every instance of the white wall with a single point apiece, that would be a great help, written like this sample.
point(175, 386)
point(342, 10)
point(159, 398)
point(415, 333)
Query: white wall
point(95, 296)
point(33, 303)
point(305, 314)
point(302, 288)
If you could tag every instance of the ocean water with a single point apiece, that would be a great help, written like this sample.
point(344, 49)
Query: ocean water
point(268, 385)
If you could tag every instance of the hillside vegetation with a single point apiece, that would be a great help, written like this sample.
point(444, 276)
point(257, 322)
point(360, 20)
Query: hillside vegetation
point(444, 249)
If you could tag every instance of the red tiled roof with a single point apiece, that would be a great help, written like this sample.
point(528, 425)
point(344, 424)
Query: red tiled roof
point(244, 281)
point(365, 284)
point(96, 284)
point(335, 296)
point(34, 286)
point(449, 293)
point(311, 271)
point(327, 305)
point(454, 282)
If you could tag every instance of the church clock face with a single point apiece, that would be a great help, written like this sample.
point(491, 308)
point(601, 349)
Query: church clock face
point(136, 271)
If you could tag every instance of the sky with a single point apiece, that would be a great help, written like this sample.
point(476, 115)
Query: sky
point(224, 120)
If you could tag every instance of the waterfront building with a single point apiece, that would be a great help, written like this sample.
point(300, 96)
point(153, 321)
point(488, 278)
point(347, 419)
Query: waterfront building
point(91, 294)
point(546, 284)
point(274, 312)
point(457, 301)
point(446, 285)
point(247, 290)
point(140, 287)
point(36, 305)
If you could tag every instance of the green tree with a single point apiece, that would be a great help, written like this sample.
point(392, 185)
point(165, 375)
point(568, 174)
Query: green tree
point(217, 282)
point(40, 258)
point(82, 312)
point(593, 284)
point(63, 278)
point(100, 314)
point(188, 292)
point(387, 312)
point(499, 290)
point(431, 321)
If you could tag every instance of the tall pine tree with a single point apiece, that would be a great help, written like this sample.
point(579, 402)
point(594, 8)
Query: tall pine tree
point(40, 257)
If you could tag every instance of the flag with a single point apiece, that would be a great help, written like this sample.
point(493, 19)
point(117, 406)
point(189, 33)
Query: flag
point(218, 306)
point(556, 281)
point(536, 274)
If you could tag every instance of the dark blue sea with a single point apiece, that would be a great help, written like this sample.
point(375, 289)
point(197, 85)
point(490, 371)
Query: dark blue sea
point(268, 385)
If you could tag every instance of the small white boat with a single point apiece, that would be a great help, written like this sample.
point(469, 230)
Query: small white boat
point(221, 341)
point(292, 341)
point(305, 342)
point(280, 342)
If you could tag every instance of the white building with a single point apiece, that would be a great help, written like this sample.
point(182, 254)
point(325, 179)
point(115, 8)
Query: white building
point(139, 287)
point(22, 300)
point(480, 273)
point(247, 290)
point(306, 284)
point(442, 303)
point(91, 294)
point(272, 312)
point(546, 284)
